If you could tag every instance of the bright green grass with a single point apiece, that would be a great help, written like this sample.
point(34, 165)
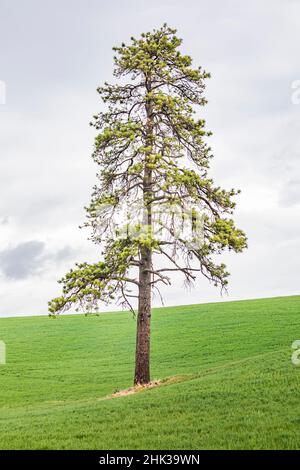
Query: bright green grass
point(237, 387)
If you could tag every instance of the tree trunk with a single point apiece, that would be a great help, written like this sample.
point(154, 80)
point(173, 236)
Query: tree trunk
point(142, 359)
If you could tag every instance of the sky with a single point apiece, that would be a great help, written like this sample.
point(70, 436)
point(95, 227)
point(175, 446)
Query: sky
point(53, 55)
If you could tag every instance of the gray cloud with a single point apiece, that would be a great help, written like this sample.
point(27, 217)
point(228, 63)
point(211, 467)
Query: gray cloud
point(63, 254)
point(22, 260)
point(30, 258)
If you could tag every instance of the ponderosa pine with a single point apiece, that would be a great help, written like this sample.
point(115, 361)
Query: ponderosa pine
point(152, 158)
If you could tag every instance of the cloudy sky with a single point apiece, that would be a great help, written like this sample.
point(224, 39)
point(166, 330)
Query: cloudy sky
point(54, 54)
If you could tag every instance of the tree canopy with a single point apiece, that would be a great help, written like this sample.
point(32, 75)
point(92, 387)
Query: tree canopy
point(152, 181)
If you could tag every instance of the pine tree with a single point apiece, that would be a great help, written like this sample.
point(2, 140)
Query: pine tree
point(153, 161)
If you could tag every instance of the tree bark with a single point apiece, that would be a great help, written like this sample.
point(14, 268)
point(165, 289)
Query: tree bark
point(142, 362)
point(142, 358)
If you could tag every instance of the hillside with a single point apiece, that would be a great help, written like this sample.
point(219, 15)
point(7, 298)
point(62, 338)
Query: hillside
point(232, 383)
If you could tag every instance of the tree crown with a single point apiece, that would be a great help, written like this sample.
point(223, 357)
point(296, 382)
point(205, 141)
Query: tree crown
point(153, 180)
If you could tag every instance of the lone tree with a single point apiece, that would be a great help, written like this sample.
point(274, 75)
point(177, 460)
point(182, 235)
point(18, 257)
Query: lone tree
point(153, 161)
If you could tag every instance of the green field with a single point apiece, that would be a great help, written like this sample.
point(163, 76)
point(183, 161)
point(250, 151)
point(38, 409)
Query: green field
point(233, 384)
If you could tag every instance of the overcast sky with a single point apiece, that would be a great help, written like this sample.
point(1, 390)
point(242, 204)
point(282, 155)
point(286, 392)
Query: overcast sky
point(54, 54)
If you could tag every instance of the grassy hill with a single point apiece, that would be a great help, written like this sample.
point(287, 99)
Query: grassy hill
point(233, 385)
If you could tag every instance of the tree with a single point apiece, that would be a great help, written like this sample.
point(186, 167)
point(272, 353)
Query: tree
point(153, 160)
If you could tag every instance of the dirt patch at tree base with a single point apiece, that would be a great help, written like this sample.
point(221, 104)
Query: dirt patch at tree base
point(135, 389)
point(152, 384)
